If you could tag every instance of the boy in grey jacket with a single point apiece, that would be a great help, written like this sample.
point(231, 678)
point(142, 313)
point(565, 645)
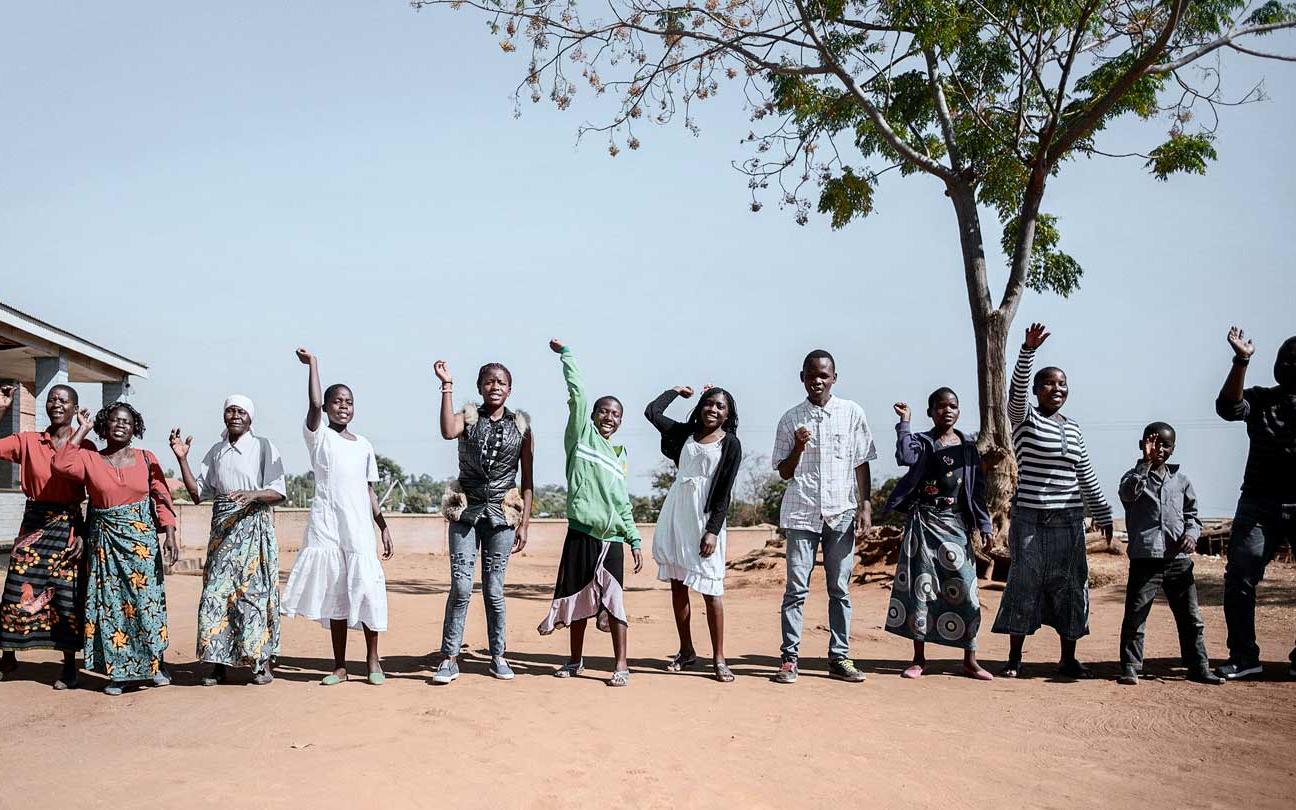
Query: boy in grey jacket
point(1163, 527)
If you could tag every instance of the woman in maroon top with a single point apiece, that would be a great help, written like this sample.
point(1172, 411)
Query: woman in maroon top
point(39, 609)
point(130, 505)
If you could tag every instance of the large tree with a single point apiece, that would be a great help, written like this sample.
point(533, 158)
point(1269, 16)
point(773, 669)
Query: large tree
point(987, 97)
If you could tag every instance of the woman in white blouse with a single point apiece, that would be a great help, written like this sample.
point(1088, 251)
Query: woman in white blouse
point(238, 615)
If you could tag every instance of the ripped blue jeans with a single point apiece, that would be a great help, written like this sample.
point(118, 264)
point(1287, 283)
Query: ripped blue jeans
point(496, 543)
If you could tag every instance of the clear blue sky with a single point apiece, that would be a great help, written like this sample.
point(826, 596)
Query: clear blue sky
point(205, 187)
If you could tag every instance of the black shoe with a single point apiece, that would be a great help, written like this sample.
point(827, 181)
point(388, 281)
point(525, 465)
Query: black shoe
point(1206, 676)
point(217, 676)
point(1236, 671)
point(1072, 669)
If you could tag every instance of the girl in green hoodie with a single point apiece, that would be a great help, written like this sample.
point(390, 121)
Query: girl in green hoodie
point(600, 524)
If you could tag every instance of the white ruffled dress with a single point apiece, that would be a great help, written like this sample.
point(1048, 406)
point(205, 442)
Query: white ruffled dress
point(337, 574)
point(677, 540)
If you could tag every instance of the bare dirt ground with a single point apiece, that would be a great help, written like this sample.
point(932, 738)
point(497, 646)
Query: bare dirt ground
point(669, 739)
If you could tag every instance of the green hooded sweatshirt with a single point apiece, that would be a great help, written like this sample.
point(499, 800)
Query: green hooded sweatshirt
point(597, 501)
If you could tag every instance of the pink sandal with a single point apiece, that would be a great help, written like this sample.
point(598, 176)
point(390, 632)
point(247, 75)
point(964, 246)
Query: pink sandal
point(914, 672)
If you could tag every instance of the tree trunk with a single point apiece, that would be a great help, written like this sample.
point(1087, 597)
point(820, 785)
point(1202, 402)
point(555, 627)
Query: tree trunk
point(995, 439)
point(990, 327)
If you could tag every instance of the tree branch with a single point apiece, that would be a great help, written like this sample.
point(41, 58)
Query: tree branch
point(875, 115)
point(1215, 45)
point(943, 111)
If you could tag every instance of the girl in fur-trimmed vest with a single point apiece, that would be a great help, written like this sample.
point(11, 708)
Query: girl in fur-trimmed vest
point(484, 507)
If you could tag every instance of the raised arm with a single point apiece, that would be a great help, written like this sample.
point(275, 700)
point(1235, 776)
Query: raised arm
point(656, 410)
point(315, 396)
point(908, 446)
point(180, 447)
point(789, 443)
point(1231, 404)
point(452, 424)
point(1019, 388)
point(577, 403)
point(1133, 484)
point(69, 460)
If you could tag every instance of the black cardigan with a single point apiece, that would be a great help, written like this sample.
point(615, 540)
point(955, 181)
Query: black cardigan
point(676, 434)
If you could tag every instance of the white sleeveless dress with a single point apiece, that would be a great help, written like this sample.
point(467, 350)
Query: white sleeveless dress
point(337, 574)
point(682, 522)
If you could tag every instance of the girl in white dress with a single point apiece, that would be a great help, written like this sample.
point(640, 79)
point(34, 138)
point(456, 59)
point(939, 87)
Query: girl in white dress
point(337, 579)
point(689, 541)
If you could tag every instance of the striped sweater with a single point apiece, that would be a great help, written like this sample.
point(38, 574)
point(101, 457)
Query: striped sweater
point(1054, 471)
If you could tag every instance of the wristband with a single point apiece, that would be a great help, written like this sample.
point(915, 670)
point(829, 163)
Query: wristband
point(447, 388)
point(1239, 360)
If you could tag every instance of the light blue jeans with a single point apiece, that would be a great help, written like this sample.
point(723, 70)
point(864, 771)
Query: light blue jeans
point(838, 562)
point(496, 545)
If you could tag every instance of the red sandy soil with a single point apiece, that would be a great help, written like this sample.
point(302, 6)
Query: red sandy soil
point(669, 739)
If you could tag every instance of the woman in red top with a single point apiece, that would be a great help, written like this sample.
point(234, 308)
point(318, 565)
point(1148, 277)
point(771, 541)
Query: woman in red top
point(39, 608)
point(125, 627)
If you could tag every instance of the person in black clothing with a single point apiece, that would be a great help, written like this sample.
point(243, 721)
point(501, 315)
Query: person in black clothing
point(1266, 510)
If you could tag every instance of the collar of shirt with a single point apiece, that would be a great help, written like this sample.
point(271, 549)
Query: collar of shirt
point(237, 447)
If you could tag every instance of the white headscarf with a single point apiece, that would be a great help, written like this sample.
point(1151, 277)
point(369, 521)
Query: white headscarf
point(240, 401)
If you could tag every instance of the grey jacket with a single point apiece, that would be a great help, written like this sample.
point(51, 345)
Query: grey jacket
point(1159, 511)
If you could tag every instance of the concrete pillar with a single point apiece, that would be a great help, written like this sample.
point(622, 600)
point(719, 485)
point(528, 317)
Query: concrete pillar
point(50, 371)
point(11, 423)
point(115, 391)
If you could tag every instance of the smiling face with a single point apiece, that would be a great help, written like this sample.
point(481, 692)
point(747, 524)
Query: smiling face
point(607, 416)
point(60, 406)
point(1051, 390)
point(1163, 446)
point(237, 422)
point(494, 386)
point(714, 411)
point(339, 405)
point(944, 410)
point(818, 375)
point(119, 426)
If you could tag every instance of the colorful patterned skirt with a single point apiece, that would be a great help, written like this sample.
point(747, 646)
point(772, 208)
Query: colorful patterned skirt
point(590, 574)
point(238, 614)
point(126, 616)
point(40, 609)
point(1048, 582)
point(934, 593)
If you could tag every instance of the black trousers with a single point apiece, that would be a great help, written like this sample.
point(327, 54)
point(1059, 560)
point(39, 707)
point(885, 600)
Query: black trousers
point(1175, 577)
point(1262, 526)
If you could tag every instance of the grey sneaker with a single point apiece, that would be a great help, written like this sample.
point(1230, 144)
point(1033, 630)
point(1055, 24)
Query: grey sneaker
point(447, 672)
point(113, 689)
point(787, 672)
point(500, 668)
point(843, 669)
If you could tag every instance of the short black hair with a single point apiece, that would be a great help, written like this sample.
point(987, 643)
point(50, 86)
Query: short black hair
point(1042, 373)
point(605, 398)
point(334, 388)
point(818, 354)
point(1157, 427)
point(101, 419)
point(72, 392)
point(938, 393)
point(489, 367)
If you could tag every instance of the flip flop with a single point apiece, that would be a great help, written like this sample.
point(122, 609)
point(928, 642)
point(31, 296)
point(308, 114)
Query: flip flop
point(679, 662)
point(1011, 669)
point(913, 672)
point(377, 678)
point(981, 674)
point(723, 673)
point(332, 680)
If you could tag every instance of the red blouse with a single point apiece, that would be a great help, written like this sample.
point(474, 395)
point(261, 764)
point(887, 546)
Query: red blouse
point(117, 486)
point(33, 452)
